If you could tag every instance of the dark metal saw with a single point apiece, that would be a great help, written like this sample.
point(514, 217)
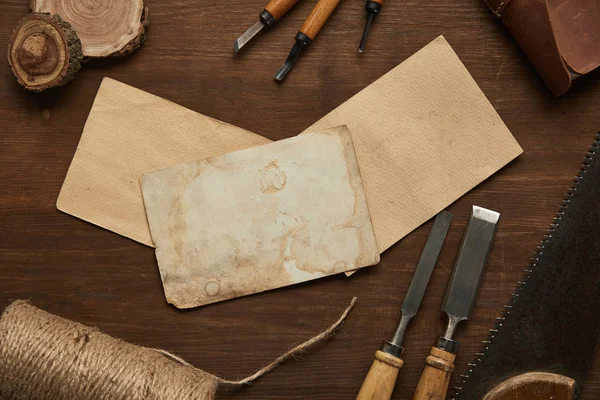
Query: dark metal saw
point(543, 345)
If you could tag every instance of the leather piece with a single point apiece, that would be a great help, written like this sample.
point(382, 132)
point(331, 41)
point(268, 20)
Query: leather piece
point(497, 6)
point(561, 38)
point(576, 25)
point(529, 23)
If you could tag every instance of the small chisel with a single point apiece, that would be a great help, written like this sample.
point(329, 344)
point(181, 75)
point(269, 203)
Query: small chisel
point(380, 381)
point(308, 32)
point(267, 18)
point(373, 8)
point(460, 297)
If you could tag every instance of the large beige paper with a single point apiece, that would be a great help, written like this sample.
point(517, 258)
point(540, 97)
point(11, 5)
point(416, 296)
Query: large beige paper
point(424, 135)
point(130, 132)
point(259, 219)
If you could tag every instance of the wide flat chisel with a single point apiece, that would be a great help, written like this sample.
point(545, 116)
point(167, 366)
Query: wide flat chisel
point(307, 33)
point(380, 381)
point(460, 297)
point(267, 18)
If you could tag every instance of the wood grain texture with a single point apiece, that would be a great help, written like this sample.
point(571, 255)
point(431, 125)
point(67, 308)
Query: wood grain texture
point(318, 17)
point(534, 386)
point(436, 375)
point(107, 28)
point(380, 381)
point(278, 8)
point(44, 52)
point(85, 273)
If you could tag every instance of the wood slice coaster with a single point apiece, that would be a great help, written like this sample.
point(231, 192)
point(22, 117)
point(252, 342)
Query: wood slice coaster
point(44, 52)
point(106, 28)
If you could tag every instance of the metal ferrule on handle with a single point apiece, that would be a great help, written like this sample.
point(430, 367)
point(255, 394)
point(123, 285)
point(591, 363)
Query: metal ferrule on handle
point(267, 18)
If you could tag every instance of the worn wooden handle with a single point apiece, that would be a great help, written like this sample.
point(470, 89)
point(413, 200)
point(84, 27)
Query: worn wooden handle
point(278, 8)
point(534, 386)
point(318, 16)
point(377, 1)
point(433, 384)
point(381, 379)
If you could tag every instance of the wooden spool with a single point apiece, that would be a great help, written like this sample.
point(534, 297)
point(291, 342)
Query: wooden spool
point(106, 28)
point(44, 52)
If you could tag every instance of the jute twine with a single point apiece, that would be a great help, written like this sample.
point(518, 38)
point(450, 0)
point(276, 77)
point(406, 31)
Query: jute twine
point(45, 357)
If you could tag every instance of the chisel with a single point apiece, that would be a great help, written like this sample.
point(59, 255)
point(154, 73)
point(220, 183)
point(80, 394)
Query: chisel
point(267, 18)
point(308, 32)
point(460, 297)
point(373, 7)
point(380, 381)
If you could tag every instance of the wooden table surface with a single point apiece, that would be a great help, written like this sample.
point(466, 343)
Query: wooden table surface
point(79, 271)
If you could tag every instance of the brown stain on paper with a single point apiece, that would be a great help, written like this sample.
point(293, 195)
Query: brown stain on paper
point(273, 179)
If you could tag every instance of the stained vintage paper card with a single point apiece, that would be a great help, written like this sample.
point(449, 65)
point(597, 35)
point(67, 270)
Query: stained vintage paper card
point(259, 219)
point(424, 135)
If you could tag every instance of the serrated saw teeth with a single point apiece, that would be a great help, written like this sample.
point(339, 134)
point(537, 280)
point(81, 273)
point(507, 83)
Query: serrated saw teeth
point(534, 260)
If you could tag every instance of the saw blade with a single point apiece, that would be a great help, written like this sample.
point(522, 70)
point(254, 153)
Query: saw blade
point(553, 320)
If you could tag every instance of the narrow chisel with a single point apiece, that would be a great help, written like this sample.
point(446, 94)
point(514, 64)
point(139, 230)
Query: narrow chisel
point(380, 381)
point(267, 18)
point(308, 32)
point(373, 7)
point(460, 297)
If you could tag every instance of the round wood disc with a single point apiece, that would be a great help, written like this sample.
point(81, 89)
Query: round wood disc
point(105, 27)
point(44, 52)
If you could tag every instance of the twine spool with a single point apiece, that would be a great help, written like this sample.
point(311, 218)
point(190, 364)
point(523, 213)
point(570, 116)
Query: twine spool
point(45, 357)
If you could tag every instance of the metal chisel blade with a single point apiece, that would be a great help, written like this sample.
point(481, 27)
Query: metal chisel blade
point(470, 263)
point(361, 46)
point(420, 279)
point(427, 262)
point(247, 36)
point(289, 62)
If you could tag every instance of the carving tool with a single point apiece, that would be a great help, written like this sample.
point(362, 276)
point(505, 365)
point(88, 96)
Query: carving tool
point(380, 381)
point(267, 18)
point(308, 32)
point(373, 8)
point(543, 344)
point(460, 297)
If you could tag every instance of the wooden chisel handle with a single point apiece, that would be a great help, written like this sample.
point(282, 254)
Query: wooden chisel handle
point(278, 8)
point(317, 18)
point(433, 384)
point(381, 379)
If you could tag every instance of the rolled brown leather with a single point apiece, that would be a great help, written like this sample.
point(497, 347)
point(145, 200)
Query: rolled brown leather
point(560, 37)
